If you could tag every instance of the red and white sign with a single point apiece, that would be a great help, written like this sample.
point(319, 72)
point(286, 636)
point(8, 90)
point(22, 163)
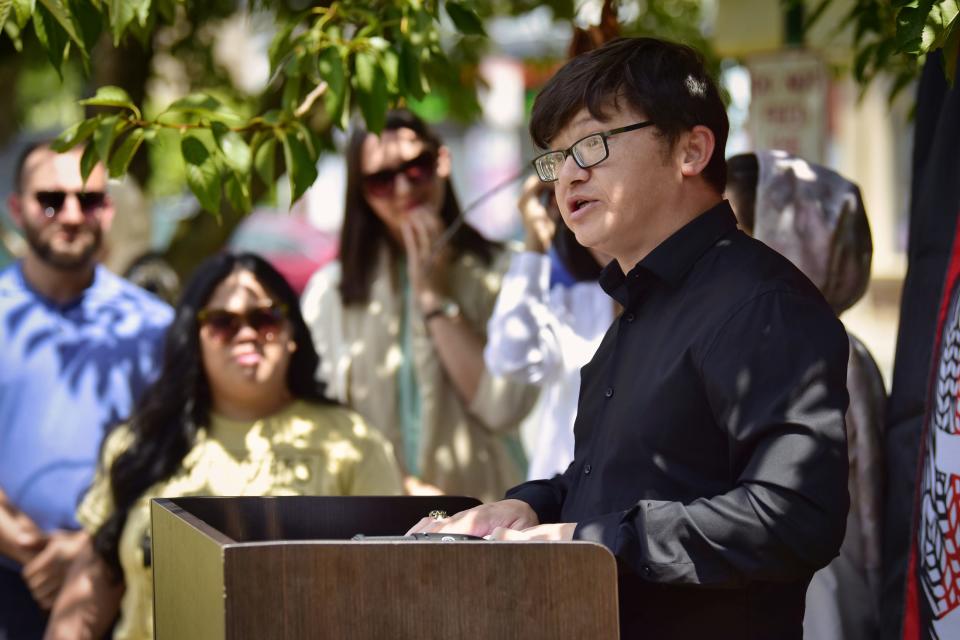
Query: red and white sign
point(788, 103)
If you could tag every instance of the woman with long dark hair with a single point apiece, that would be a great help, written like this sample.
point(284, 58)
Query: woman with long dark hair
point(235, 411)
point(549, 320)
point(400, 319)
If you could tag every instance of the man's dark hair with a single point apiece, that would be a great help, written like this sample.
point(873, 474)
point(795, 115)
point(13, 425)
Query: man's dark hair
point(665, 81)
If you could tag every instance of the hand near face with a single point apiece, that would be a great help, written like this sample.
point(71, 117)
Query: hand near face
point(44, 574)
point(482, 520)
point(539, 220)
point(427, 267)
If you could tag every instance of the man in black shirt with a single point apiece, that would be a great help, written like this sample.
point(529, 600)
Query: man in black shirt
point(710, 444)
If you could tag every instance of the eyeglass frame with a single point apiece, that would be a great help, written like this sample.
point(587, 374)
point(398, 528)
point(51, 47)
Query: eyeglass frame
point(571, 149)
point(279, 311)
point(88, 210)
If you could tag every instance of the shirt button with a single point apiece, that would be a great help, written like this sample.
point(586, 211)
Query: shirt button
point(629, 317)
point(586, 469)
point(608, 392)
point(646, 571)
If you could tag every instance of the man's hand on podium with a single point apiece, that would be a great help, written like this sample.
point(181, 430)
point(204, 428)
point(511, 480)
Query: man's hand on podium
point(483, 520)
point(554, 531)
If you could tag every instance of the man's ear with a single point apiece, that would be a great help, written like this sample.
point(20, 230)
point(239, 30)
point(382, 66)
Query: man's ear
point(697, 149)
point(15, 207)
point(106, 214)
point(443, 162)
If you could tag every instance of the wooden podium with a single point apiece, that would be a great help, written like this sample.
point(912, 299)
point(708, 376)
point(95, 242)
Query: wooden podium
point(285, 568)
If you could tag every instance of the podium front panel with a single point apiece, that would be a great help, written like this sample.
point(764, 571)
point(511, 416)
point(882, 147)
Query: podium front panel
point(245, 568)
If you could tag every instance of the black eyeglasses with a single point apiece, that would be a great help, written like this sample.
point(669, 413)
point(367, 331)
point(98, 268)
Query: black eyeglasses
point(588, 151)
point(225, 325)
point(417, 171)
point(91, 202)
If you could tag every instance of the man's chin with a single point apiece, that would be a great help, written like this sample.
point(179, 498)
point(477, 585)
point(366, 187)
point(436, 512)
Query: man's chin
point(68, 260)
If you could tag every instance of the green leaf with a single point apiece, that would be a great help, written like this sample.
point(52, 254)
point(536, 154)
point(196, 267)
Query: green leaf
point(291, 92)
point(5, 7)
point(330, 67)
point(910, 24)
point(75, 134)
point(51, 36)
point(238, 193)
point(110, 96)
point(89, 21)
point(235, 149)
point(301, 169)
point(106, 133)
point(13, 32)
point(122, 13)
point(465, 20)
point(120, 161)
point(265, 163)
point(203, 175)
point(63, 17)
point(409, 74)
point(88, 161)
point(204, 106)
point(23, 11)
point(371, 86)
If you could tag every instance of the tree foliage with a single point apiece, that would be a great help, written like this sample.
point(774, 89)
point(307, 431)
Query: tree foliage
point(893, 37)
point(327, 61)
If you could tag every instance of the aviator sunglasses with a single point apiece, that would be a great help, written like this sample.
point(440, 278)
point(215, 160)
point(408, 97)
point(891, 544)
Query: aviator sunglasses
point(224, 325)
point(52, 201)
point(417, 171)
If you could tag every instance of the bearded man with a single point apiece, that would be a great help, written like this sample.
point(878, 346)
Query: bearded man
point(77, 347)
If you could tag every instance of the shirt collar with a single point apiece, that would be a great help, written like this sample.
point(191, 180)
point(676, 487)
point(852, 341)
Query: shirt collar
point(674, 257)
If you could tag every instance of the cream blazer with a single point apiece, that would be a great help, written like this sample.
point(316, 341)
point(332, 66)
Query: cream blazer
point(465, 450)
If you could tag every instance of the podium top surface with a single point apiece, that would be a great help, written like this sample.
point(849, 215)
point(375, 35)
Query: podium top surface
point(231, 520)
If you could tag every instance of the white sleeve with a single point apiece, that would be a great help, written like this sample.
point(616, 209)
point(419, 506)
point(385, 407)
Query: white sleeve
point(522, 338)
point(323, 313)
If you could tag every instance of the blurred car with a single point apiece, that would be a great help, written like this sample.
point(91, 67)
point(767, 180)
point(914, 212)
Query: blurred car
point(288, 241)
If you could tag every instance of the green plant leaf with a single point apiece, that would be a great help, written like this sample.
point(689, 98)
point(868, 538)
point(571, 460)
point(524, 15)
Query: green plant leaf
point(23, 11)
point(89, 21)
point(110, 96)
point(51, 36)
point(106, 133)
point(63, 17)
point(236, 152)
point(301, 169)
point(120, 160)
point(88, 161)
point(122, 13)
point(203, 175)
point(238, 193)
point(371, 86)
point(5, 7)
point(330, 68)
point(951, 50)
point(410, 79)
point(204, 106)
point(265, 163)
point(465, 20)
point(910, 24)
point(75, 134)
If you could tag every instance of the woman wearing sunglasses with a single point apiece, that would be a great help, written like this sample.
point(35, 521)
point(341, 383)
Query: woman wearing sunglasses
point(400, 320)
point(235, 411)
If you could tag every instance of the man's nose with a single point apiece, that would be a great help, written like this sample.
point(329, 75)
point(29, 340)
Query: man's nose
point(571, 172)
point(71, 212)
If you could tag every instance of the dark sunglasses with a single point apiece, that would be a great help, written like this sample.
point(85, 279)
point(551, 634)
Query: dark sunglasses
point(224, 325)
point(52, 201)
point(417, 171)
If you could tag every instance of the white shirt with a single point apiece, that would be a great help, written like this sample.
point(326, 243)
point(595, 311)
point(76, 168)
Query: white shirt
point(543, 336)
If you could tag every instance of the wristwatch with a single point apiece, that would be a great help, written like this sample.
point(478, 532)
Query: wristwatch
point(447, 308)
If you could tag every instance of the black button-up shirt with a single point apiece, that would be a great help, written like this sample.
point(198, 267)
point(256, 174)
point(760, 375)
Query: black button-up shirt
point(711, 453)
